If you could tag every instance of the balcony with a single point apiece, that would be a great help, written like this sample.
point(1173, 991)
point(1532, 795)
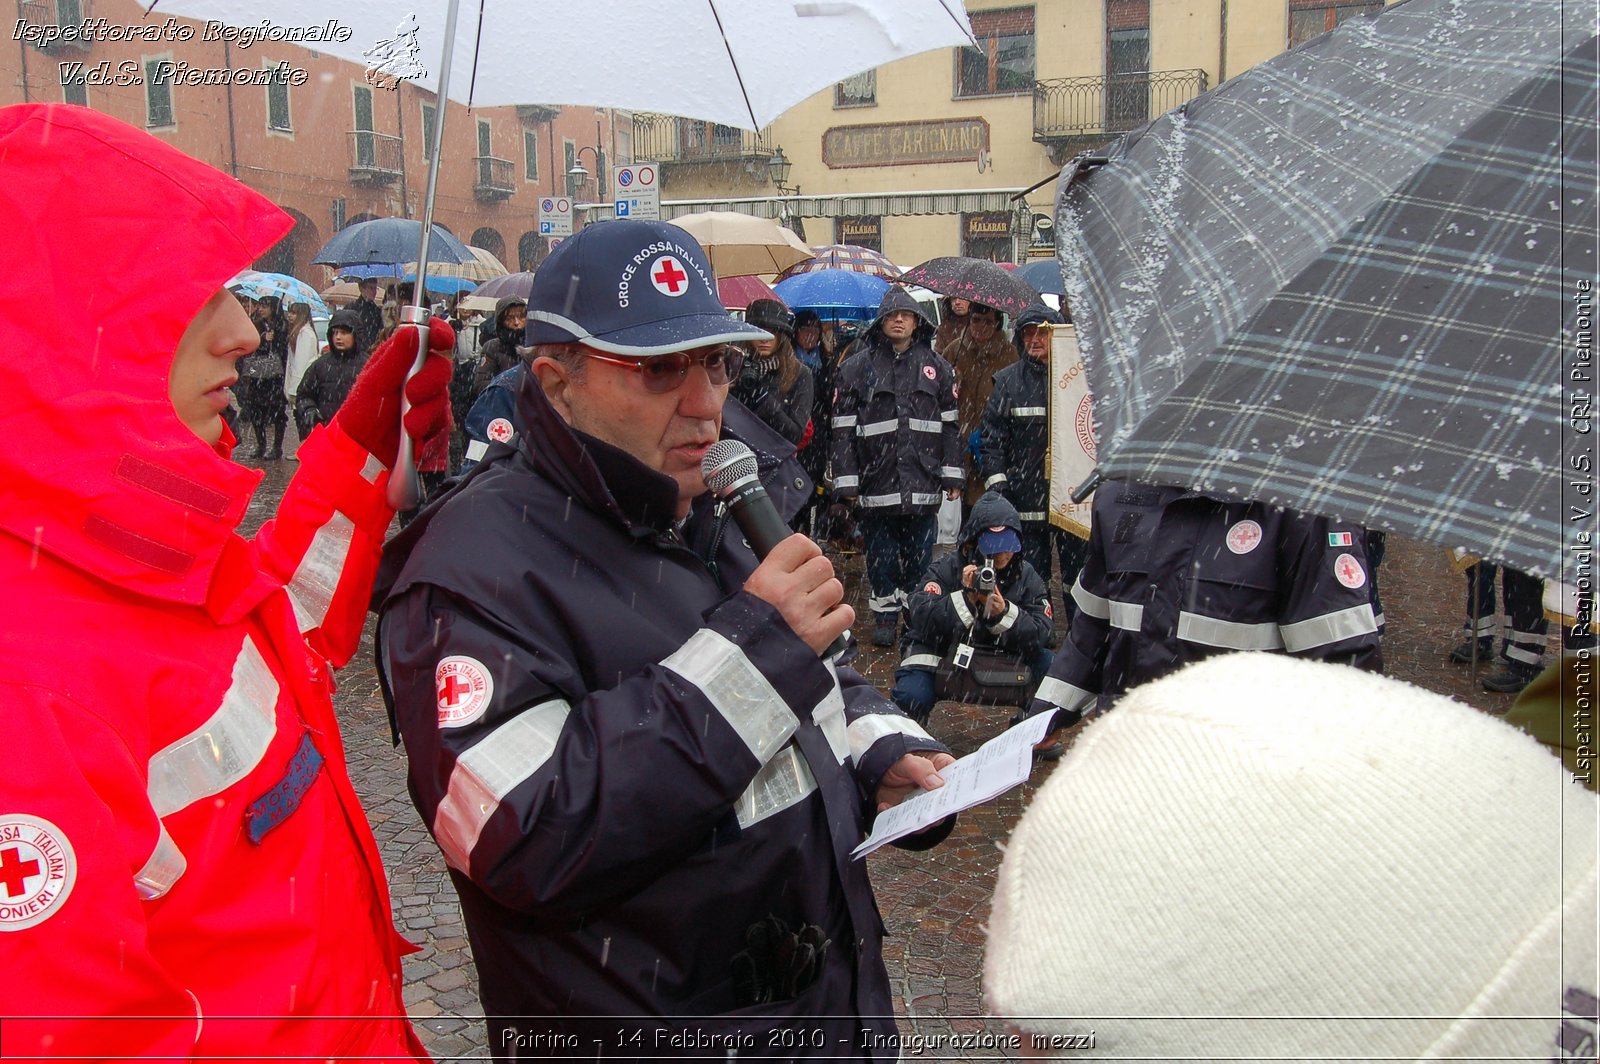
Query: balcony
point(536, 114)
point(671, 141)
point(375, 158)
point(496, 179)
point(1081, 112)
point(52, 25)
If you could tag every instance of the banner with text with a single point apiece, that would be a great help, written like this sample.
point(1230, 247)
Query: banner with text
point(1071, 457)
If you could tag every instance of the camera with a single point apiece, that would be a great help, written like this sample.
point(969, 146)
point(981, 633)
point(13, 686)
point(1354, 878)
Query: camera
point(984, 581)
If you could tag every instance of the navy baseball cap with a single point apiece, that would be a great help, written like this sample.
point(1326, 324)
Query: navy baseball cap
point(630, 288)
point(997, 539)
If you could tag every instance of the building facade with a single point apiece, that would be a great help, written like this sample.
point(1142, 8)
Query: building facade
point(315, 134)
point(929, 156)
point(946, 153)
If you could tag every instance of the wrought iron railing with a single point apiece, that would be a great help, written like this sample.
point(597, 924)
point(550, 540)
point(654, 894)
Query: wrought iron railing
point(496, 177)
point(669, 139)
point(374, 155)
point(1071, 107)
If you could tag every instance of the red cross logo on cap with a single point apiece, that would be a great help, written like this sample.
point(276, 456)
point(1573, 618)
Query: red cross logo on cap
point(668, 275)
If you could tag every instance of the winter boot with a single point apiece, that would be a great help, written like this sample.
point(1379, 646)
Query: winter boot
point(1462, 655)
point(884, 628)
point(277, 442)
point(1512, 678)
point(261, 442)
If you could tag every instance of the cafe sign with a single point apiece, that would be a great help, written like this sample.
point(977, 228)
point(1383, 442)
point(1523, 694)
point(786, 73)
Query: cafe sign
point(946, 140)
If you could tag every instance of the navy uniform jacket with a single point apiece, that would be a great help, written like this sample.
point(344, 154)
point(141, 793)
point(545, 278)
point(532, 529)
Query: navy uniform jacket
point(896, 426)
point(627, 760)
point(1015, 437)
point(1172, 577)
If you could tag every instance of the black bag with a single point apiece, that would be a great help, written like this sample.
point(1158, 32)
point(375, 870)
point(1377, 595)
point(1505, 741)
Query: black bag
point(992, 678)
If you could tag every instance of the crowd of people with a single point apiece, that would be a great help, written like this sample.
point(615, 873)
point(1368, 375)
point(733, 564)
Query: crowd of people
point(633, 735)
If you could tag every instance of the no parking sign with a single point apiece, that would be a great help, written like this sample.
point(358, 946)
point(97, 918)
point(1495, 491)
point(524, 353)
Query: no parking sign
point(555, 216)
point(638, 193)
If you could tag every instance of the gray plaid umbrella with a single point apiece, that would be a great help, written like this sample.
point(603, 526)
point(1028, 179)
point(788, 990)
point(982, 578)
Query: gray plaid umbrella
point(1344, 281)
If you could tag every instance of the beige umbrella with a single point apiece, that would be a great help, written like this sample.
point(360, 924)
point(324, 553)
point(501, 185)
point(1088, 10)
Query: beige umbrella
point(742, 245)
point(341, 294)
point(485, 268)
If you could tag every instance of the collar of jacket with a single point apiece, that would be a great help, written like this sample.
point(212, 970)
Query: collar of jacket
point(109, 481)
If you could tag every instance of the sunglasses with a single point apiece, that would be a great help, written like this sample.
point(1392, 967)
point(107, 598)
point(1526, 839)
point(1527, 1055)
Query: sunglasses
point(665, 373)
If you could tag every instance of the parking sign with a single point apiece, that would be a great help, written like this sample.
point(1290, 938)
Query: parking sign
point(638, 194)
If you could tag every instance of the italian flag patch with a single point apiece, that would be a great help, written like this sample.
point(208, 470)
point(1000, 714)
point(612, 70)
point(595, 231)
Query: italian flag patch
point(1339, 539)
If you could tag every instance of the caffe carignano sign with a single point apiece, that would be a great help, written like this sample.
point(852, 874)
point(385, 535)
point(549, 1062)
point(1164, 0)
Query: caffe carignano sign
point(945, 140)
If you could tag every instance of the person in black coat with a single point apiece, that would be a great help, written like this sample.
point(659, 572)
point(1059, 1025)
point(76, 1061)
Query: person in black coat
point(1015, 437)
point(774, 383)
point(331, 376)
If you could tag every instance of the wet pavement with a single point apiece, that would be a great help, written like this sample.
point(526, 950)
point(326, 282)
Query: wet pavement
point(935, 903)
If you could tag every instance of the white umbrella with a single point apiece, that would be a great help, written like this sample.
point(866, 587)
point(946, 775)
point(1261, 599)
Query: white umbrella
point(742, 245)
point(706, 59)
point(716, 60)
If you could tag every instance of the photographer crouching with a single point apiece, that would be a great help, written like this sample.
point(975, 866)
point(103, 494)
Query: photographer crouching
point(980, 621)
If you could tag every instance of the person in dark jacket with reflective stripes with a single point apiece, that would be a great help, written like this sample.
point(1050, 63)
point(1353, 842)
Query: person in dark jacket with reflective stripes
point(896, 446)
point(1173, 576)
point(1015, 438)
point(644, 776)
point(946, 609)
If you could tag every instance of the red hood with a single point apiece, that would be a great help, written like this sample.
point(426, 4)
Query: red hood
point(113, 240)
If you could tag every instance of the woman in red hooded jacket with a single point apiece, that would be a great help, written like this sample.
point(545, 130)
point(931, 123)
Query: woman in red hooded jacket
point(185, 871)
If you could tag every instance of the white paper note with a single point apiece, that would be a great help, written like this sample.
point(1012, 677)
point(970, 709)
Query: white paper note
point(983, 775)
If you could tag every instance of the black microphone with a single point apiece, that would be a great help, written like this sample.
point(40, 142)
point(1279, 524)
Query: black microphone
point(730, 471)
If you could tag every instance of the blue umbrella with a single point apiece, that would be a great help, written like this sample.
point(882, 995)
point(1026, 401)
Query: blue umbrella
point(1045, 276)
point(289, 290)
point(389, 241)
point(839, 294)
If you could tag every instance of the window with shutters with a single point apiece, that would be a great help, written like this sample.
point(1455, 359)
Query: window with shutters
point(530, 155)
point(1003, 61)
point(278, 98)
point(158, 93)
point(430, 115)
point(1308, 18)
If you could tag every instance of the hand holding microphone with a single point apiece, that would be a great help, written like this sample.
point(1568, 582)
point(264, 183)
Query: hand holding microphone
point(794, 576)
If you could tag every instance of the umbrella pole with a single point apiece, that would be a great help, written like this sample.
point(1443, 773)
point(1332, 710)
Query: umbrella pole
point(405, 488)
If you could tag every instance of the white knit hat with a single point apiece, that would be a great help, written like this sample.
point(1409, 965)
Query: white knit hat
point(1265, 857)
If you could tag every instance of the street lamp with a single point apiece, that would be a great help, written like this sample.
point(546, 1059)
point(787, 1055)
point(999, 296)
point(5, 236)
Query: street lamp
point(578, 174)
point(778, 167)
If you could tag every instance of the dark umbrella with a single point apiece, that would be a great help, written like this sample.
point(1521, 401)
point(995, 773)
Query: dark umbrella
point(1044, 276)
point(389, 241)
point(975, 279)
point(1343, 281)
point(512, 284)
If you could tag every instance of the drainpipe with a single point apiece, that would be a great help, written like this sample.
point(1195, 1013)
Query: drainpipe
point(233, 141)
point(1222, 47)
point(24, 47)
point(400, 126)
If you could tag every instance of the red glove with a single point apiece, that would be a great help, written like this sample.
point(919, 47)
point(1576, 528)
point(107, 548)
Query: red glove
point(370, 414)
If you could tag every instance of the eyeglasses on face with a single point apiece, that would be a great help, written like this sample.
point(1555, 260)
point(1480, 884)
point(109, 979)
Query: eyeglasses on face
point(665, 373)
